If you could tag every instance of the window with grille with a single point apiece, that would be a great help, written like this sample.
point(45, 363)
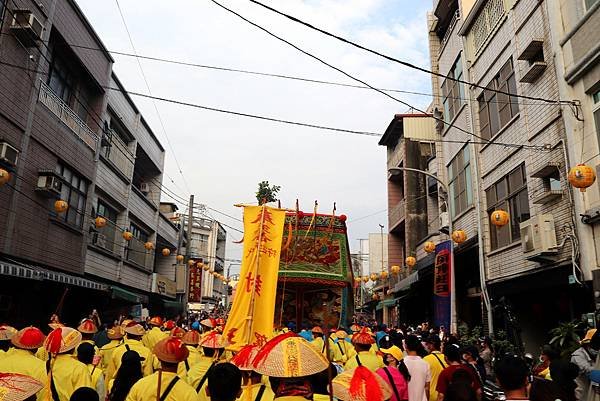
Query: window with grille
point(453, 91)
point(74, 191)
point(596, 98)
point(497, 109)
point(486, 22)
point(106, 237)
point(509, 194)
point(459, 175)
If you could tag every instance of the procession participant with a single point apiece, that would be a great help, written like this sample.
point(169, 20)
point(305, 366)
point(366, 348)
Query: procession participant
point(342, 349)
point(85, 354)
point(512, 375)
point(470, 356)
point(547, 355)
point(66, 374)
point(486, 354)
point(208, 325)
point(22, 360)
point(155, 334)
point(584, 357)
point(253, 389)
point(318, 341)
point(288, 360)
point(88, 329)
point(191, 339)
point(360, 384)
point(115, 335)
point(127, 375)
point(305, 333)
point(395, 373)
point(320, 383)
point(213, 347)
point(177, 331)
point(133, 341)
point(420, 374)
point(169, 325)
point(165, 385)
point(18, 387)
point(224, 381)
point(436, 361)
point(362, 342)
point(85, 394)
point(453, 359)
point(6, 333)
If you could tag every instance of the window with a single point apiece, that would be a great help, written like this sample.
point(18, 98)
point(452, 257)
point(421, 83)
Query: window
point(509, 194)
point(60, 78)
point(453, 92)
point(74, 190)
point(135, 251)
point(106, 237)
point(107, 212)
point(590, 3)
point(596, 109)
point(459, 174)
point(497, 109)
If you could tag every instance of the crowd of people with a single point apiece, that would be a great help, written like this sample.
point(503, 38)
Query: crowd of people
point(169, 361)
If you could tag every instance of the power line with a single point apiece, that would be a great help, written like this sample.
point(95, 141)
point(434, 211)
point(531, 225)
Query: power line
point(404, 63)
point(150, 92)
point(347, 74)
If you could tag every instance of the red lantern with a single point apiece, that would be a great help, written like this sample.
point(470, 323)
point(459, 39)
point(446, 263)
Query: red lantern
point(4, 176)
point(582, 176)
point(100, 222)
point(411, 261)
point(148, 245)
point(166, 252)
point(459, 236)
point(499, 218)
point(343, 217)
point(61, 206)
point(429, 246)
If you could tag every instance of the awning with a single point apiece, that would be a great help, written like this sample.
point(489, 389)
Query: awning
point(126, 295)
point(406, 282)
point(386, 302)
point(174, 305)
point(13, 268)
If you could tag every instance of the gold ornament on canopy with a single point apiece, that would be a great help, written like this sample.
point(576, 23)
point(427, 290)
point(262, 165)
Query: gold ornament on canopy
point(166, 251)
point(365, 279)
point(179, 258)
point(384, 274)
point(4, 176)
point(191, 262)
point(374, 276)
point(206, 268)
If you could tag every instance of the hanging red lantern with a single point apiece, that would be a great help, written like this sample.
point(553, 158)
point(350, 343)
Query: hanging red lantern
point(100, 222)
point(374, 276)
point(365, 279)
point(499, 218)
point(166, 251)
point(4, 176)
point(395, 269)
point(429, 246)
point(384, 275)
point(459, 236)
point(582, 176)
point(128, 235)
point(191, 263)
point(61, 206)
point(179, 258)
point(148, 245)
point(411, 261)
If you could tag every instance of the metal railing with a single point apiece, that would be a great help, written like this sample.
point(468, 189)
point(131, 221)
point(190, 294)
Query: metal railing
point(107, 238)
point(396, 213)
point(448, 33)
point(61, 110)
point(136, 253)
point(119, 154)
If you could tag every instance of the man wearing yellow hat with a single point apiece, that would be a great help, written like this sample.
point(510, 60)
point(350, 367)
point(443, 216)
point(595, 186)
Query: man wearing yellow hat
point(133, 341)
point(253, 387)
point(155, 334)
point(342, 349)
point(6, 333)
point(66, 373)
point(18, 387)
point(22, 359)
point(165, 385)
point(115, 335)
point(191, 340)
point(362, 342)
point(585, 358)
point(213, 347)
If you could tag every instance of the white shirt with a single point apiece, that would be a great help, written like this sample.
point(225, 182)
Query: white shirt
point(419, 376)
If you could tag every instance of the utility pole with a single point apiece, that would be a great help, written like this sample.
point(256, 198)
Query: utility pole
point(188, 252)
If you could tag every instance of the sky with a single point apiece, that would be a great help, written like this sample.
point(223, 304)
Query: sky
point(223, 157)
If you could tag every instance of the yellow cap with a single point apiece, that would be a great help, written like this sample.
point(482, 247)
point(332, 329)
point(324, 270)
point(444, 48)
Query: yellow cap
point(588, 336)
point(393, 351)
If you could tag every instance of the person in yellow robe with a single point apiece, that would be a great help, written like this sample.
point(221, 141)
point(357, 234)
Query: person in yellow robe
point(213, 347)
point(66, 373)
point(6, 333)
point(191, 340)
point(224, 382)
point(170, 352)
point(115, 335)
point(155, 334)
point(133, 341)
point(85, 354)
point(342, 349)
point(253, 387)
point(88, 329)
point(436, 361)
point(362, 342)
point(22, 360)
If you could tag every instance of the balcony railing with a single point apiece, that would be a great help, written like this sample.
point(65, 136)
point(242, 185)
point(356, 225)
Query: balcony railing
point(119, 154)
point(107, 238)
point(396, 214)
point(136, 253)
point(61, 110)
point(448, 33)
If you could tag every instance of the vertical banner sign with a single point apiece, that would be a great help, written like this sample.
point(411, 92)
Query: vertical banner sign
point(195, 277)
point(441, 285)
point(251, 318)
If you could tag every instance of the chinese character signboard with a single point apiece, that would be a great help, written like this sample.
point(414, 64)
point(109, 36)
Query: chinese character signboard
point(441, 285)
point(251, 317)
point(195, 283)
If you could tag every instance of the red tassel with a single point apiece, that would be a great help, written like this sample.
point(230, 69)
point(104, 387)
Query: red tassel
point(242, 358)
point(54, 340)
point(268, 347)
point(363, 379)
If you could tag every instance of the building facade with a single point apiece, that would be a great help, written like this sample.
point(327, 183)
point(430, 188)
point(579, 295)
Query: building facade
point(65, 136)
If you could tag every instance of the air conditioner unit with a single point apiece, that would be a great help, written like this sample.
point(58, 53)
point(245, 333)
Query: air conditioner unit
point(538, 238)
point(145, 187)
point(26, 27)
point(49, 184)
point(8, 155)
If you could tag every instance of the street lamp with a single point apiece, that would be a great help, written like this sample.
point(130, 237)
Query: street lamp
point(396, 171)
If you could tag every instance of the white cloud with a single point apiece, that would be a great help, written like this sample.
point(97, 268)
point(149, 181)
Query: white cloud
point(223, 157)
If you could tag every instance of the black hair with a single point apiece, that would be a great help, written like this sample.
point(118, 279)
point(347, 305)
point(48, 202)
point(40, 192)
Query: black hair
point(551, 352)
point(511, 372)
point(224, 382)
point(85, 353)
point(85, 394)
point(212, 352)
point(320, 381)
point(452, 353)
point(564, 373)
point(128, 374)
point(362, 347)
point(471, 350)
point(5, 345)
point(412, 343)
point(459, 391)
point(403, 369)
point(435, 341)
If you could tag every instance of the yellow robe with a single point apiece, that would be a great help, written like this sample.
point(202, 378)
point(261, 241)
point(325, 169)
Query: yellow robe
point(145, 389)
point(69, 374)
point(153, 336)
point(435, 367)
point(98, 382)
point(134, 345)
point(250, 392)
point(106, 354)
point(24, 362)
point(198, 371)
point(194, 357)
point(367, 359)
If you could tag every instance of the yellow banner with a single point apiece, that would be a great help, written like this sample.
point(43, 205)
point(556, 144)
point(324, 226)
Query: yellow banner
point(251, 318)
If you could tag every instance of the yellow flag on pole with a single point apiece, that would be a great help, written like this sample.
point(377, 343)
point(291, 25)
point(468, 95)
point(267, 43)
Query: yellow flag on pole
point(251, 318)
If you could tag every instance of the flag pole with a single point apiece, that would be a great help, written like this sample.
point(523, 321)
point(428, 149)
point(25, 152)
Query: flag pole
point(250, 316)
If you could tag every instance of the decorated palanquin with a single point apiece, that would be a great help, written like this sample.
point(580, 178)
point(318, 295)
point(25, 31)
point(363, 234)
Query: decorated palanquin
point(315, 272)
